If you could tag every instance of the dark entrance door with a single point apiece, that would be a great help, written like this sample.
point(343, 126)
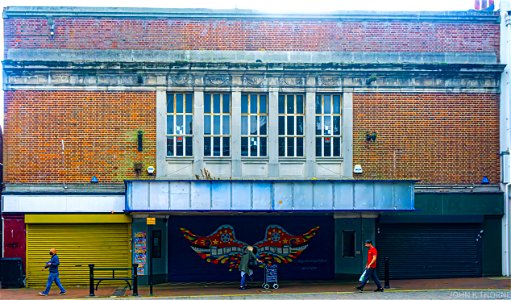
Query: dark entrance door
point(431, 250)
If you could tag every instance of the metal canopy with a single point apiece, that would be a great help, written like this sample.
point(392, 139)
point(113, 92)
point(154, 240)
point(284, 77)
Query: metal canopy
point(269, 195)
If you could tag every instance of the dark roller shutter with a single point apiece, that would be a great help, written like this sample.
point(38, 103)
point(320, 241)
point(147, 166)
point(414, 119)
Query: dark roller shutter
point(430, 250)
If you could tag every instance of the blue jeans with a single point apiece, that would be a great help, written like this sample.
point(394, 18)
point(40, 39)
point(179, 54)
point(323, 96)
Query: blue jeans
point(244, 277)
point(371, 273)
point(51, 278)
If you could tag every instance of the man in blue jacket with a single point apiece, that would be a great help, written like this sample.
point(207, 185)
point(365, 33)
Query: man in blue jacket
point(53, 265)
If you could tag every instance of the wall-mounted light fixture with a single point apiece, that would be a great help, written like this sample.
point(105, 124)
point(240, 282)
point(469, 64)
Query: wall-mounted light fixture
point(94, 179)
point(138, 168)
point(140, 136)
point(485, 180)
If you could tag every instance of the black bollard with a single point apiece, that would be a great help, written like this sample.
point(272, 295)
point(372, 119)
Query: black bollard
point(91, 281)
point(135, 280)
point(387, 279)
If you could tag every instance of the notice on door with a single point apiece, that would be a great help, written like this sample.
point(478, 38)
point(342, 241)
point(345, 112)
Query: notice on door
point(140, 252)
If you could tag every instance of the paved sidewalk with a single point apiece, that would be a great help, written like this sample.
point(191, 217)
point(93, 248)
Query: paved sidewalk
point(208, 290)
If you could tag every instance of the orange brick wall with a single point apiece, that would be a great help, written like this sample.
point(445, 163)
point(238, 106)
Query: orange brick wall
point(99, 130)
point(436, 138)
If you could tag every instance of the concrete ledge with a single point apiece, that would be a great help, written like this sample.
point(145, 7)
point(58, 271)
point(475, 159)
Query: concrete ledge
point(264, 57)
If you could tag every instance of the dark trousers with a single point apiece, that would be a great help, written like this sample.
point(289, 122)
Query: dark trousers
point(371, 273)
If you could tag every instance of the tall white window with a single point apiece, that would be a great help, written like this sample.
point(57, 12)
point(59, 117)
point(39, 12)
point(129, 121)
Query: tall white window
point(217, 124)
point(291, 125)
point(254, 125)
point(179, 124)
point(328, 125)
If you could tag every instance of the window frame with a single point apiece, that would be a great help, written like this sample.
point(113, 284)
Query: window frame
point(323, 136)
point(259, 116)
point(294, 136)
point(187, 138)
point(221, 135)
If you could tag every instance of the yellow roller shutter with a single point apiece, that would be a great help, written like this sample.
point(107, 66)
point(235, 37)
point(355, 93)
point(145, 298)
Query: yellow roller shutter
point(78, 245)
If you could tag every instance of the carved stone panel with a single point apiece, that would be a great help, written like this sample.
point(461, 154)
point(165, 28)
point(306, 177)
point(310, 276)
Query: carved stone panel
point(217, 80)
point(180, 80)
point(291, 81)
point(254, 80)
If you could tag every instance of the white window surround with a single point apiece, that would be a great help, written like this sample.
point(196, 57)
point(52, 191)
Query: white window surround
point(272, 164)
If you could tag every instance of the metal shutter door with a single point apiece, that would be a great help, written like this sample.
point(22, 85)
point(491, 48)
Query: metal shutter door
point(78, 245)
point(430, 250)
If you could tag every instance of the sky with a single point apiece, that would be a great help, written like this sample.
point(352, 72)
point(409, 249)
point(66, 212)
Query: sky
point(280, 6)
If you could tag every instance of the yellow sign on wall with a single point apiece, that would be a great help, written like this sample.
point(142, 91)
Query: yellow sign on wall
point(151, 221)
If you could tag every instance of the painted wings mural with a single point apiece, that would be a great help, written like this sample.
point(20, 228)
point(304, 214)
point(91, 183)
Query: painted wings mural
point(222, 247)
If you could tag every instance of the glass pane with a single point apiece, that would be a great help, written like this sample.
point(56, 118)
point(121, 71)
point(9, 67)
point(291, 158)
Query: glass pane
point(170, 146)
point(244, 125)
point(318, 147)
point(290, 104)
point(179, 146)
point(207, 124)
point(216, 146)
point(282, 125)
point(263, 147)
point(337, 146)
point(179, 103)
point(207, 103)
point(348, 243)
point(179, 124)
point(282, 147)
point(328, 127)
point(299, 147)
point(253, 103)
point(170, 103)
point(337, 104)
point(327, 146)
point(170, 124)
point(262, 125)
point(327, 102)
point(226, 103)
point(189, 146)
point(337, 125)
point(262, 104)
point(253, 146)
point(227, 146)
point(299, 104)
point(216, 124)
point(244, 146)
point(216, 103)
point(299, 125)
point(189, 125)
point(290, 147)
point(281, 104)
point(318, 104)
point(244, 103)
point(253, 125)
point(290, 125)
point(207, 146)
point(189, 103)
point(318, 125)
point(226, 125)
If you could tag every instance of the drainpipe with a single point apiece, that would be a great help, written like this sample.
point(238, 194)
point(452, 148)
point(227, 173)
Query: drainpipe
point(505, 129)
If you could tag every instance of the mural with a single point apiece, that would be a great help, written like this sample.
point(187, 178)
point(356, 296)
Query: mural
point(222, 247)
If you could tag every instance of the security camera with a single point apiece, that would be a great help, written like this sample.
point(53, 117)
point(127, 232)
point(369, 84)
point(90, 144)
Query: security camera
point(150, 170)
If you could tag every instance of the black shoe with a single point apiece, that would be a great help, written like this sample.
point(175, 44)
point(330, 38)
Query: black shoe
point(360, 288)
point(242, 288)
point(379, 290)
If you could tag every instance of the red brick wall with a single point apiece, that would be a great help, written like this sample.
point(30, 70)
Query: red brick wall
point(436, 138)
point(99, 130)
point(276, 35)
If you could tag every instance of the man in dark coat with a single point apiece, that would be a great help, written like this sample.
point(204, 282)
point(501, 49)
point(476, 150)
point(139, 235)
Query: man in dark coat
point(248, 254)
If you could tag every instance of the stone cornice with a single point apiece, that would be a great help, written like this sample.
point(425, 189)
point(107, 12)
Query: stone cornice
point(471, 16)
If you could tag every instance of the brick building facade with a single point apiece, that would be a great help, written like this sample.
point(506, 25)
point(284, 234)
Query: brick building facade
point(295, 102)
